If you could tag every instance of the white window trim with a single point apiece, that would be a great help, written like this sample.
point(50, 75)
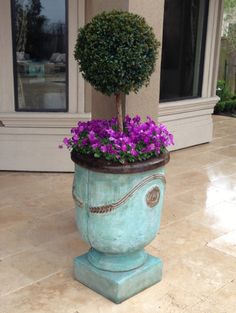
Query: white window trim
point(186, 107)
point(47, 120)
point(212, 48)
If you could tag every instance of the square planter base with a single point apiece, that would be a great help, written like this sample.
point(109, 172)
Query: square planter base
point(118, 286)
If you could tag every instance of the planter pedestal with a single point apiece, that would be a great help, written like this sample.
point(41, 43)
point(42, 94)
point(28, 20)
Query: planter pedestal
point(118, 286)
point(117, 262)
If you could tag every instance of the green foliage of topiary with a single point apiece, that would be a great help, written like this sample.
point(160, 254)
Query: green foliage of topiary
point(116, 52)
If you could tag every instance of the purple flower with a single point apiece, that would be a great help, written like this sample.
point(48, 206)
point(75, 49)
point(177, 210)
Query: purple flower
point(103, 149)
point(66, 141)
point(84, 141)
point(95, 146)
point(123, 148)
point(75, 138)
point(133, 152)
point(150, 147)
point(138, 140)
point(91, 136)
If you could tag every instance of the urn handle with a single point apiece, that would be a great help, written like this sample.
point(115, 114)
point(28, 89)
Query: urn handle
point(78, 202)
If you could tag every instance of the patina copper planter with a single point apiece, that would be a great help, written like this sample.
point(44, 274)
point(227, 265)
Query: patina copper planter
point(118, 212)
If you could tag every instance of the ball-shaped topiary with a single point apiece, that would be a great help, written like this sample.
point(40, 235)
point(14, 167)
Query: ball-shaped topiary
point(116, 52)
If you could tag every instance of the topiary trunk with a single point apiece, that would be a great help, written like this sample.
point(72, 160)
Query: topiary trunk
point(119, 112)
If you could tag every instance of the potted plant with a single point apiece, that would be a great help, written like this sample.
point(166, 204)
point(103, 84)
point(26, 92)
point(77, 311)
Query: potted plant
point(119, 163)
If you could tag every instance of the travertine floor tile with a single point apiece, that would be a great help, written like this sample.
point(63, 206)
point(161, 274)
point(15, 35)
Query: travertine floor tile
point(35, 232)
point(175, 167)
point(34, 264)
point(11, 216)
point(187, 153)
point(203, 197)
point(220, 217)
point(226, 243)
point(203, 271)
point(222, 301)
point(165, 297)
point(161, 298)
point(215, 144)
point(179, 239)
point(14, 240)
point(58, 293)
point(226, 183)
point(229, 151)
point(187, 181)
point(11, 279)
point(221, 169)
point(206, 159)
point(47, 195)
point(225, 130)
point(11, 181)
point(64, 249)
point(5, 173)
point(223, 142)
point(175, 210)
point(49, 228)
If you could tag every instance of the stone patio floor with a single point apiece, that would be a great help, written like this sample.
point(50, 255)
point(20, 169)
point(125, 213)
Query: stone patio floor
point(197, 239)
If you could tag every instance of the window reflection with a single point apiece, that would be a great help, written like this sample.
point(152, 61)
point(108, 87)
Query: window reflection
point(183, 48)
point(40, 52)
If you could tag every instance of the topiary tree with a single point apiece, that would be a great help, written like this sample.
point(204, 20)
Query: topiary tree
point(116, 53)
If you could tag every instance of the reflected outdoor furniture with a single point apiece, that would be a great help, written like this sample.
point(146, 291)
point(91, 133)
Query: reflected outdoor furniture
point(31, 69)
point(41, 84)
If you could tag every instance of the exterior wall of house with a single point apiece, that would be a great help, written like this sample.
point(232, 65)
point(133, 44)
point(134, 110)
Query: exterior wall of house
point(29, 140)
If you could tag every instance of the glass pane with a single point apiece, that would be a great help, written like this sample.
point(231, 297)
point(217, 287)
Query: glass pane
point(40, 53)
point(183, 48)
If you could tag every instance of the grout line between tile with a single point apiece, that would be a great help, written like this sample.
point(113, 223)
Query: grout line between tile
point(32, 283)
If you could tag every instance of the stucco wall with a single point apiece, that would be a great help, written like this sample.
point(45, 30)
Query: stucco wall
point(146, 101)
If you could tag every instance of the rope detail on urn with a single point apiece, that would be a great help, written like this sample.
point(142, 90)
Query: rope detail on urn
point(110, 207)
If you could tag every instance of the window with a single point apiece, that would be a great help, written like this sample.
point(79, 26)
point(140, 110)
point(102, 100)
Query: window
point(184, 35)
point(39, 29)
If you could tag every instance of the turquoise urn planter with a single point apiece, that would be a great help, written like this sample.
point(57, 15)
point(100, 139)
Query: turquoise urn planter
point(118, 213)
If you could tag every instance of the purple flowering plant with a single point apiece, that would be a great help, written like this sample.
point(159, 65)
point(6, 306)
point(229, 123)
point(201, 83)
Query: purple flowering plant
point(102, 139)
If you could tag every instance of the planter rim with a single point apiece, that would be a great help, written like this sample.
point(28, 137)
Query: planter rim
point(104, 166)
